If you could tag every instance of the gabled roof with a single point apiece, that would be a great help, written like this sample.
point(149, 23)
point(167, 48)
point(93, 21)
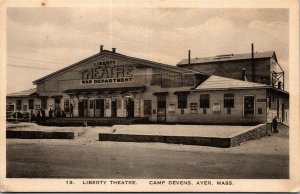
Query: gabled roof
point(229, 57)
point(25, 93)
point(122, 57)
point(223, 83)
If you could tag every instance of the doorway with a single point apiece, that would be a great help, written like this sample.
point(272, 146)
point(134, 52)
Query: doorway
point(81, 108)
point(113, 108)
point(86, 108)
point(99, 108)
point(57, 103)
point(161, 109)
point(130, 108)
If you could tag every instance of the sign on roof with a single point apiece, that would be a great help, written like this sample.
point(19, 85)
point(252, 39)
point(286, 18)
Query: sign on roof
point(106, 72)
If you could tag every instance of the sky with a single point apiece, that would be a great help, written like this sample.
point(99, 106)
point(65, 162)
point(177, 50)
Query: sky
point(42, 40)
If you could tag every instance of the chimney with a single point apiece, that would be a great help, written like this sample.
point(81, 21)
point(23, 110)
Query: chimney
point(190, 67)
point(113, 50)
point(101, 48)
point(252, 63)
point(244, 77)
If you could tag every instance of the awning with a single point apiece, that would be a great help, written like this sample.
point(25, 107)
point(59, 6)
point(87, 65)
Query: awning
point(56, 96)
point(161, 93)
point(106, 90)
point(181, 92)
point(43, 97)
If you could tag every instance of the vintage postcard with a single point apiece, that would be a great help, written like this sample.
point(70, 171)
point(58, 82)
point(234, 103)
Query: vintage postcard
point(149, 96)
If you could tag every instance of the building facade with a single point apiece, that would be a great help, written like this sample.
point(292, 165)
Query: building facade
point(112, 85)
point(260, 67)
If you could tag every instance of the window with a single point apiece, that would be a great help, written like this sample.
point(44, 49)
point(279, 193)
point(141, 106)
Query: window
point(18, 104)
point(10, 107)
point(31, 104)
point(147, 107)
point(182, 101)
point(248, 105)
point(187, 80)
point(91, 104)
point(204, 101)
point(228, 100)
point(166, 79)
point(67, 104)
point(24, 107)
point(194, 107)
point(44, 103)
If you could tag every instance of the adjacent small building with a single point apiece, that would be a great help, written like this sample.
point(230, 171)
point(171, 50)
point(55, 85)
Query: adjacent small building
point(23, 101)
point(112, 85)
point(260, 67)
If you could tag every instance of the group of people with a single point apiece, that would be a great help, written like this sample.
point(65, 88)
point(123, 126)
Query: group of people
point(58, 113)
point(40, 115)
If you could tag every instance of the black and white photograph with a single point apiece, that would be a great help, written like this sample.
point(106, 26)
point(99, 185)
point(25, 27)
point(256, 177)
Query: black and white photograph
point(150, 96)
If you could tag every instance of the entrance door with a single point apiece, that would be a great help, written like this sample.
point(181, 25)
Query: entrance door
point(86, 108)
point(99, 108)
point(113, 108)
point(161, 109)
point(57, 103)
point(81, 108)
point(130, 108)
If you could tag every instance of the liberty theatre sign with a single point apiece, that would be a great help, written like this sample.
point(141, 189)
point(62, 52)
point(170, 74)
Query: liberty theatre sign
point(106, 72)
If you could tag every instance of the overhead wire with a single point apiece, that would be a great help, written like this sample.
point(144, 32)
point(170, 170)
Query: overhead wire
point(34, 59)
point(29, 67)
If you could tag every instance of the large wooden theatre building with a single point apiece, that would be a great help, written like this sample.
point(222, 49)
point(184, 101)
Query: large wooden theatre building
point(112, 85)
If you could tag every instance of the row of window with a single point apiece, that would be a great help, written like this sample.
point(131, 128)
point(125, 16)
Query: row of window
point(167, 79)
point(97, 104)
point(204, 101)
point(31, 104)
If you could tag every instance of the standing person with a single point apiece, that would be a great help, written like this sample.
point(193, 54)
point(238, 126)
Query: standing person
point(43, 115)
point(38, 116)
point(31, 116)
point(50, 113)
point(71, 110)
point(274, 124)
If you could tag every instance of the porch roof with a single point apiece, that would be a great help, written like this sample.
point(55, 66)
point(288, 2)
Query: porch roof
point(105, 90)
